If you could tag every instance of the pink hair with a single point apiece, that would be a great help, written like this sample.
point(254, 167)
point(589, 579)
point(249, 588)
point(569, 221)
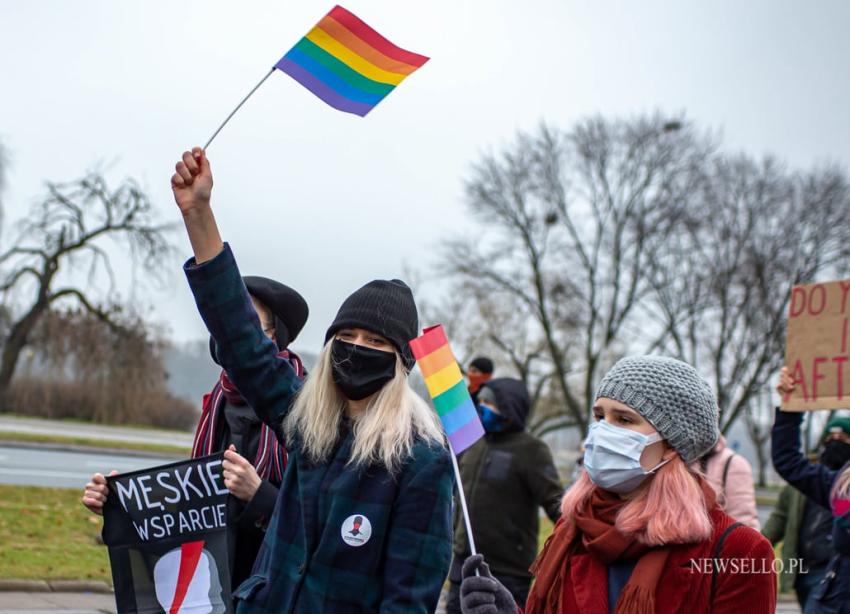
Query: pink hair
point(671, 509)
point(840, 495)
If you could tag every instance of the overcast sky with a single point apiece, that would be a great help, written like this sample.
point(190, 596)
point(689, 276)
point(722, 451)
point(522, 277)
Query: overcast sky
point(326, 201)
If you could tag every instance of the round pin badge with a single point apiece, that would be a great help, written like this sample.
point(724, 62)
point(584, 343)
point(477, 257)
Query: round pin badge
point(356, 530)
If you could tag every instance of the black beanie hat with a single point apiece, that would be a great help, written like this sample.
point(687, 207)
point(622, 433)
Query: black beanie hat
point(288, 307)
point(483, 364)
point(385, 307)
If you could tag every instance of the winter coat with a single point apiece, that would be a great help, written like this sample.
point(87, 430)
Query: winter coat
point(784, 526)
point(731, 476)
point(815, 482)
point(342, 538)
point(743, 576)
point(507, 477)
point(246, 520)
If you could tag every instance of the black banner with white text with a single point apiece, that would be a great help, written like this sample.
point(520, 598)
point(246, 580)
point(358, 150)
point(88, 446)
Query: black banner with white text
point(166, 529)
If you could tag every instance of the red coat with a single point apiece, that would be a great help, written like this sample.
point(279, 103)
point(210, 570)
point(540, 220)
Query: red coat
point(746, 586)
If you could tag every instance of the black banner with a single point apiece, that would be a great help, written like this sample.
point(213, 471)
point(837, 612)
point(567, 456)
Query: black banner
point(166, 529)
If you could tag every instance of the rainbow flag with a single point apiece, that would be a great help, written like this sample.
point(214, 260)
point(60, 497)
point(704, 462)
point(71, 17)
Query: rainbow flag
point(447, 388)
point(348, 64)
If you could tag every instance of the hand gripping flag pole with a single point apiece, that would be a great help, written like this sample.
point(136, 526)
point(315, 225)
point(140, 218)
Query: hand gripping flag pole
point(451, 400)
point(344, 62)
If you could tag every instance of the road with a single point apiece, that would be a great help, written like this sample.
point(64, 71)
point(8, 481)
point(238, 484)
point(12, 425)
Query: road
point(61, 469)
point(98, 431)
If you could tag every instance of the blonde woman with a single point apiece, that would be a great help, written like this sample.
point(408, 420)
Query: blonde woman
point(363, 518)
point(829, 488)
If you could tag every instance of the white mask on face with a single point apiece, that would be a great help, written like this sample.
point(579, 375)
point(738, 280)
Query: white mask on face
point(612, 457)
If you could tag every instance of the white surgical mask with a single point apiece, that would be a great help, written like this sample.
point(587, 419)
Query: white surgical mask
point(612, 457)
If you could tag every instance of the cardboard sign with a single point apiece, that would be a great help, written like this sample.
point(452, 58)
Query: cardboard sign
point(817, 346)
point(166, 529)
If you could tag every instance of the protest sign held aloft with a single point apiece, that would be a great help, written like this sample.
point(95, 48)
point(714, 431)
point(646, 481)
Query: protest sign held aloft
point(166, 528)
point(816, 346)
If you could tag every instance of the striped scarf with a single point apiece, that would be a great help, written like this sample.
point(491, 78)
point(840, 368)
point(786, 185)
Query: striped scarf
point(270, 460)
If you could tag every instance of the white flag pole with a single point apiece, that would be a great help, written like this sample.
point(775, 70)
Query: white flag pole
point(233, 112)
point(463, 501)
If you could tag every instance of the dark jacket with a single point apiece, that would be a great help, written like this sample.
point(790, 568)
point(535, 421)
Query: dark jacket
point(507, 477)
point(247, 520)
point(223, 423)
point(815, 481)
point(784, 526)
point(306, 563)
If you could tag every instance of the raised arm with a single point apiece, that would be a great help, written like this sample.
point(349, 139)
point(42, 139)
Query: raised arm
point(811, 479)
point(192, 186)
point(267, 381)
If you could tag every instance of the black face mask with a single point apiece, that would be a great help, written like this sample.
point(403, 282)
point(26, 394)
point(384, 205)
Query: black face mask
point(835, 454)
point(360, 371)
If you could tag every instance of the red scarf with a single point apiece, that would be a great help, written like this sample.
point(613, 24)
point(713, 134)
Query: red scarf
point(270, 460)
point(594, 532)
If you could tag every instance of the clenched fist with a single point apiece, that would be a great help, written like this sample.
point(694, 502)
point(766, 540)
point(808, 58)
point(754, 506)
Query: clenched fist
point(786, 384)
point(192, 183)
point(240, 477)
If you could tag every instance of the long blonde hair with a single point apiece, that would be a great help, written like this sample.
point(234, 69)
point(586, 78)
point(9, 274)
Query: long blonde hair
point(384, 432)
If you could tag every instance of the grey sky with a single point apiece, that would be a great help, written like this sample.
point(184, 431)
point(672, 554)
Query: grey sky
point(324, 200)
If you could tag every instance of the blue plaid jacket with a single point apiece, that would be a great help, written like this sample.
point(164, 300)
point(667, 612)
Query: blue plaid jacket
point(307, 562)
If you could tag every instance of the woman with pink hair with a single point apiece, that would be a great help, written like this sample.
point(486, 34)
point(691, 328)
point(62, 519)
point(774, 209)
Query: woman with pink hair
point(641, 531)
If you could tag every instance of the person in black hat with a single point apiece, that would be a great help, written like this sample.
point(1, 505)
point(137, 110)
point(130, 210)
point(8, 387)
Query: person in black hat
point(365, 451)
point(254, 458)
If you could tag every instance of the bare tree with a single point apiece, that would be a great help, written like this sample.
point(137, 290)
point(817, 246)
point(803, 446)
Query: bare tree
point(722, 288)
point(107, 372)
point(67, 231)
point(571, 223)
point(494, 325)
point(4, 164)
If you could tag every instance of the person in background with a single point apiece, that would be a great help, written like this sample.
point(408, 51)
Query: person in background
point(824, 486)
point(731, 476)
point(803, 526)
point(508, 475)
point(254, 459)
point(480, 370)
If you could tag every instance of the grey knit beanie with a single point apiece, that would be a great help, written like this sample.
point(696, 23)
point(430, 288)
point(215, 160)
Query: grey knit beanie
point(672, 396)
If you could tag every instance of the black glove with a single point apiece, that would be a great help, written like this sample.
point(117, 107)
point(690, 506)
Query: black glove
point(483, 594)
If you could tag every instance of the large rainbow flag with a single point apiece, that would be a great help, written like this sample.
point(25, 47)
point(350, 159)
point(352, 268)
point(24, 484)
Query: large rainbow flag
point(447, 388)
point(348, 64)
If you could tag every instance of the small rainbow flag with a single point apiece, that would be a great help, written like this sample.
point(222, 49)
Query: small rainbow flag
point(447, 388)
point(348, 64)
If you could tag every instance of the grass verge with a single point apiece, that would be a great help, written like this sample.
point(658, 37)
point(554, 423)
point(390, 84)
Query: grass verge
point(48, 535)
point(113, 444)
